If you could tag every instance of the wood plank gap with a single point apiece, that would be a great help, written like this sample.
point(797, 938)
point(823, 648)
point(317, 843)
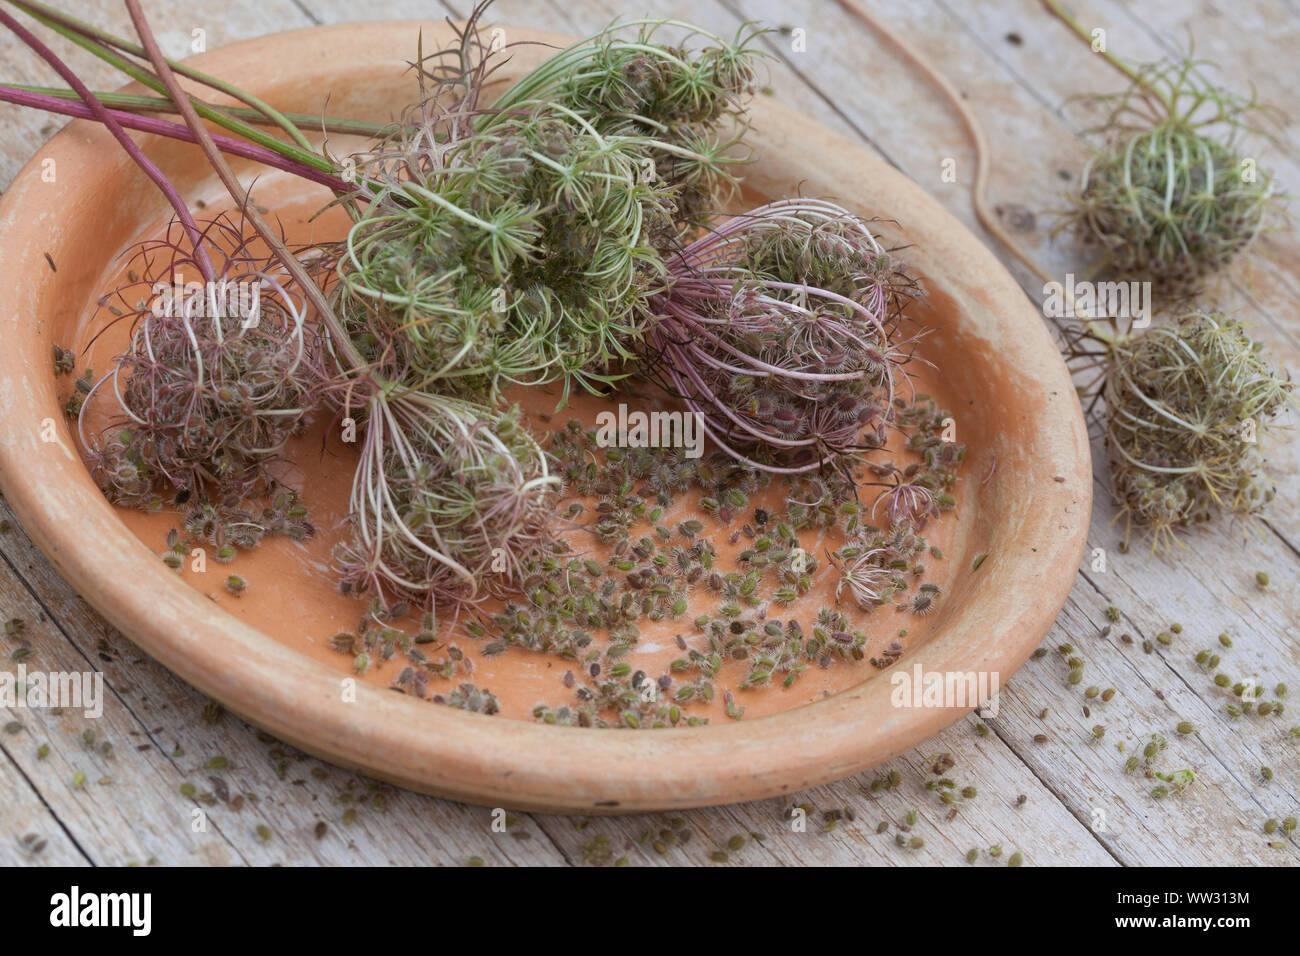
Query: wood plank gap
point(46, 804)
point(302, 8)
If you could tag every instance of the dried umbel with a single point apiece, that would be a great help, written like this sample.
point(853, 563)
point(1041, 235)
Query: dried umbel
point(500, 246)
point(778, 329)
point(687, 104)
point(448, 500)
point(218, 377)
point(1173, 198)
point(516, 253)
point(1187, 409)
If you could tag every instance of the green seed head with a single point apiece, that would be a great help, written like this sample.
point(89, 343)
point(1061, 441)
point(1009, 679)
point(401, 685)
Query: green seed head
point(1168, 201)
point(1187, 406)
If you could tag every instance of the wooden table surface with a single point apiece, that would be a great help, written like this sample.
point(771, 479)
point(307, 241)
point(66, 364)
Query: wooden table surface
point(1062, 801)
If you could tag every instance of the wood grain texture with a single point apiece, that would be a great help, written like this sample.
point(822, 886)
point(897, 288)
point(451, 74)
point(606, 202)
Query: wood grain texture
point(1080, 807)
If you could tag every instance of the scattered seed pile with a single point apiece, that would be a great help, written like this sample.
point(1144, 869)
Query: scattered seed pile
point(587, 607)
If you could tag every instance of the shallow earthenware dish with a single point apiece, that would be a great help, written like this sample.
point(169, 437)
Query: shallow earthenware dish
point(1026, 490)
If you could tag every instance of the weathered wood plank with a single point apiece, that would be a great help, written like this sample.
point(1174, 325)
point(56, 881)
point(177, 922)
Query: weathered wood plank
point(30, 834)
point(848, 80)
point(163, 736)
point(1040, 828)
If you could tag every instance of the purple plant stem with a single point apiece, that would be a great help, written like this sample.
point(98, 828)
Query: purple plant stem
point(237, 192)
point(133, 150)
point(145, 124)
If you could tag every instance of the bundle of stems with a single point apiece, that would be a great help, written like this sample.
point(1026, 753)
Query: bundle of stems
point(524, 243)
point(518, 244)
point(297, 155)
point(422, 453)
point(514, 244)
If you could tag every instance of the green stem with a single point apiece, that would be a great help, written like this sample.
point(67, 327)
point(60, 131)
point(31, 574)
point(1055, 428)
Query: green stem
point(158, 104)
point(97, 42)
point(46, 13)
point(1098, 333)
point(1059, 11)
point(556, 68)
point(1132, 74)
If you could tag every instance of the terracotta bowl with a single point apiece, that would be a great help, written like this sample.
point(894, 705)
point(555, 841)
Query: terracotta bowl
point(1025, 495)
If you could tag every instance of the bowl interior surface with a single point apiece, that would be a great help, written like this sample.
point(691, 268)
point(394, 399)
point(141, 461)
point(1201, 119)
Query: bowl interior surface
point(1024, 496)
